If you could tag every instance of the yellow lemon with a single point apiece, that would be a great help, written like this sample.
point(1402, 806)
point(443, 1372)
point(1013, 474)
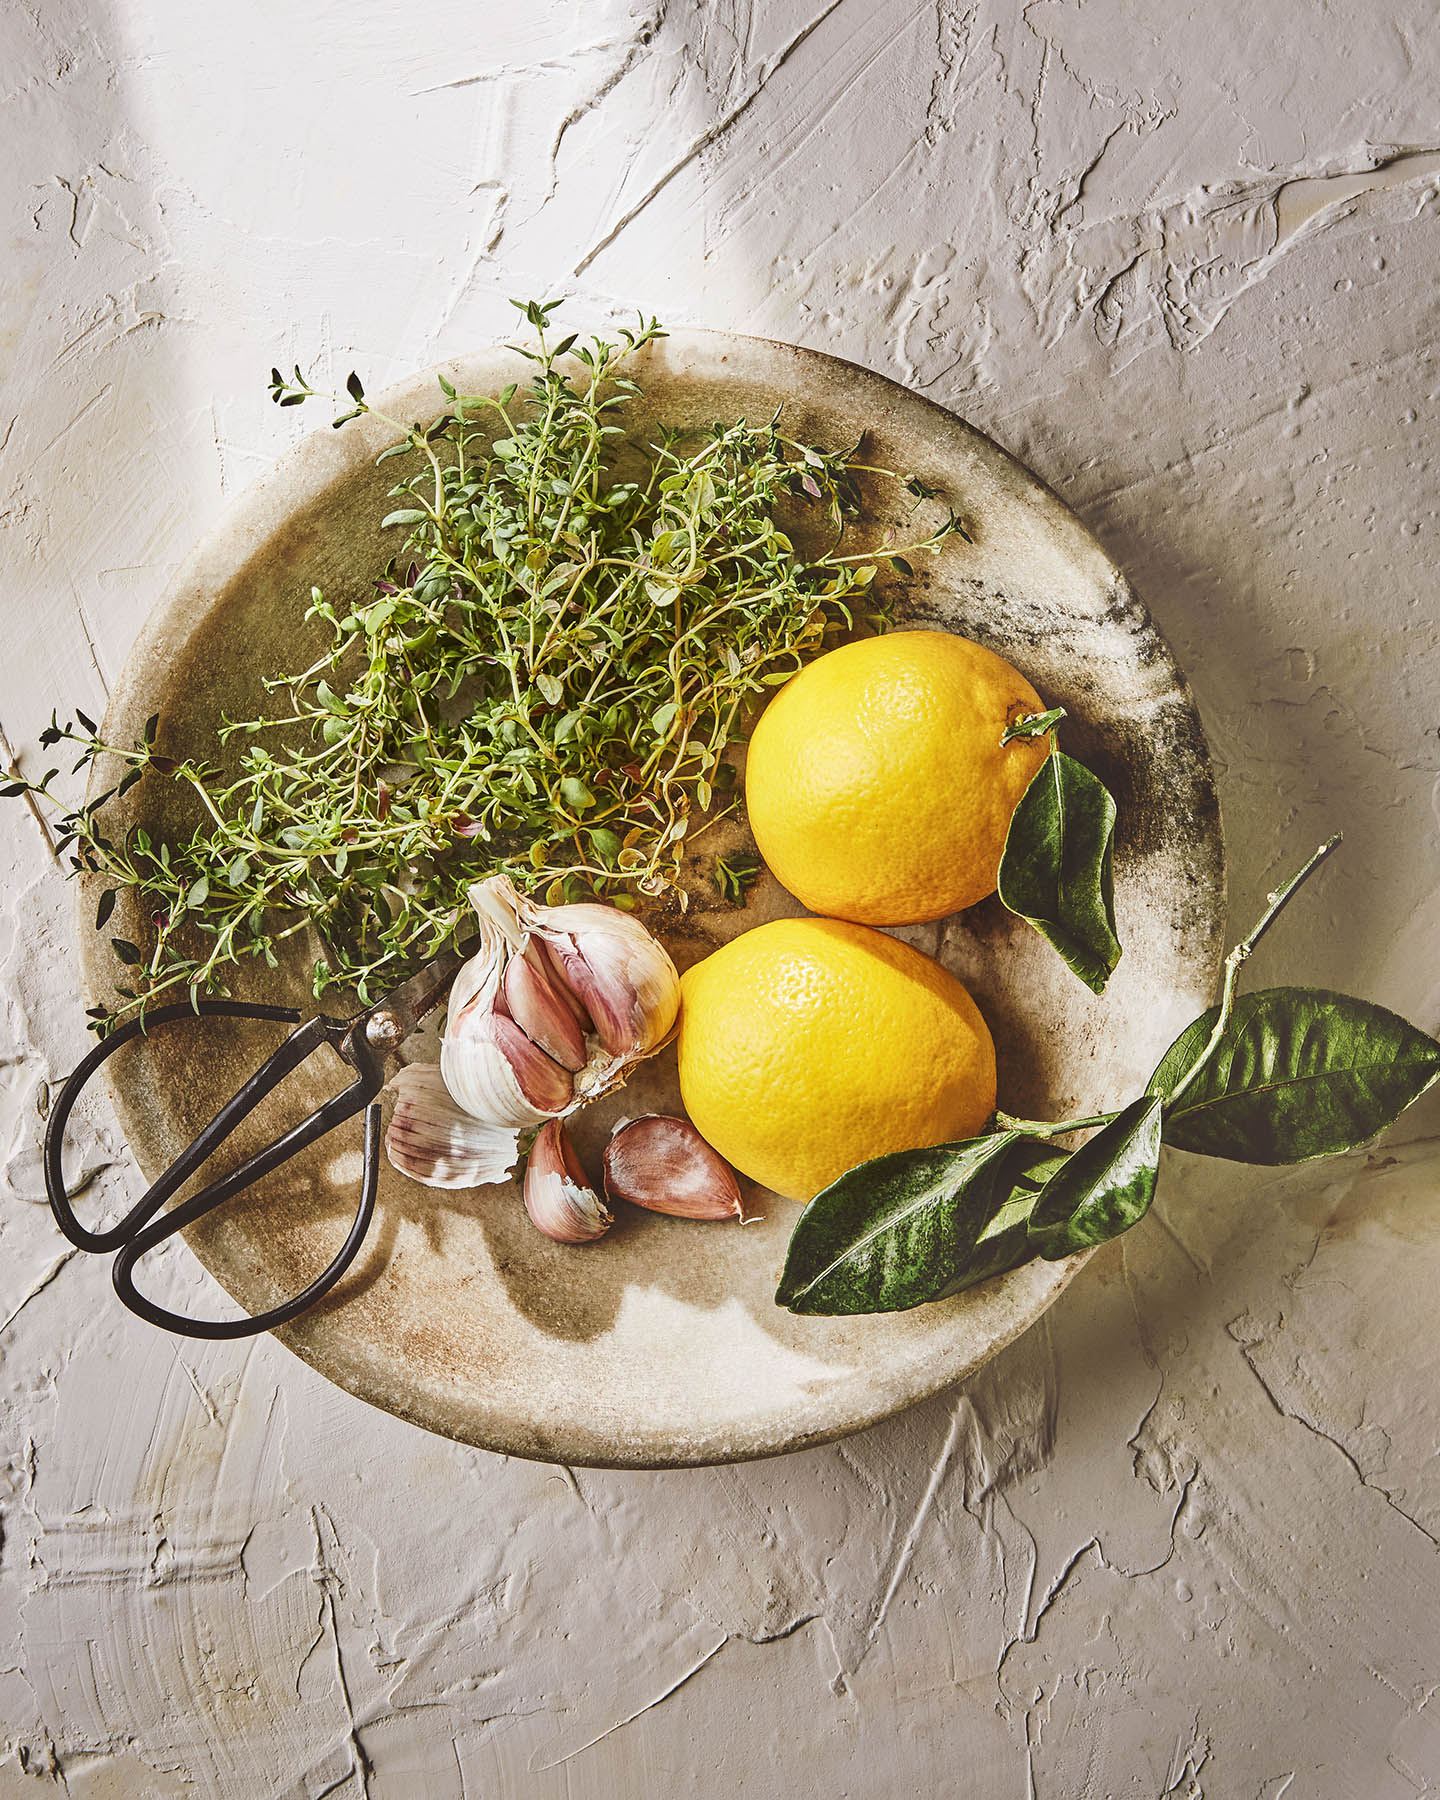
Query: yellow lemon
point(810, 1045)
point(876, 783)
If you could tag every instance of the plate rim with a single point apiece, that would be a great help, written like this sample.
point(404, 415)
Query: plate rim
point(321, 459)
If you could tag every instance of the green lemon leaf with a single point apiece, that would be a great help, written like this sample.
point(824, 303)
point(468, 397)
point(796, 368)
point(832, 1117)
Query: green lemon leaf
point(1056, 869)
point(916, 1225)
point(1299, 1073)
point(1104, 1188)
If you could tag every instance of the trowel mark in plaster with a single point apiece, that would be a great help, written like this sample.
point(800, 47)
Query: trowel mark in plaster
point(1163, 278)
point(1307, 196)
point(704, 140)
point(1204, 253)
point(1250, 1336)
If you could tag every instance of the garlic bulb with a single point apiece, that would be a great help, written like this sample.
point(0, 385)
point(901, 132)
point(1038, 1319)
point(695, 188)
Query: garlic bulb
point(558, 1197)
point(553, 1009)
point(664, 1164)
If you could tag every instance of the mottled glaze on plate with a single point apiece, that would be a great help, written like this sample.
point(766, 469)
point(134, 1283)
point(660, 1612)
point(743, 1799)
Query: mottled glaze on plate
point(661, 1346)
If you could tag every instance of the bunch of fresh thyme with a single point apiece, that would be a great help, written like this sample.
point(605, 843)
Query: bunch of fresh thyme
point(544, 684)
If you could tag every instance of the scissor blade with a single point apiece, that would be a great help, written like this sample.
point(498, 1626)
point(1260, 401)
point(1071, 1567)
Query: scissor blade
point(391, 1019)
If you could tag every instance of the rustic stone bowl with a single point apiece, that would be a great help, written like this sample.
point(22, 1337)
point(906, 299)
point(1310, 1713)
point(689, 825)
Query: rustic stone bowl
point(661, 1345)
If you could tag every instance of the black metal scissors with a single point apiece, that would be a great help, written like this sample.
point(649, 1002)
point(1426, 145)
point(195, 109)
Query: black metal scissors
point(365, 1041)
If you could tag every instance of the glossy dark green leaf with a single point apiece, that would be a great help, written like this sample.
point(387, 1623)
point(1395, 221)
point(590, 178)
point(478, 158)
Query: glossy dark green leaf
point(916, 1225)
point(1103, 1188)
point(1299, 1073)
point(1056, 870)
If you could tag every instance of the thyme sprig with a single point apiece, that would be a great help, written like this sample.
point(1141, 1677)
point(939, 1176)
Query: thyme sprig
point(545, 682)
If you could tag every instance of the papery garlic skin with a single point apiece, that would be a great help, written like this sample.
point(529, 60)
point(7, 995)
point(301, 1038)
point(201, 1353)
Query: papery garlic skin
point(434, 1141)
point(558, 1198)
point(663, 1164)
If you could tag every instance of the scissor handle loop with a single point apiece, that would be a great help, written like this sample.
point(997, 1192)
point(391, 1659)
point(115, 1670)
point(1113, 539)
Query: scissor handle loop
point(131, 1236)
point(55, 1187)
point(122, 1273)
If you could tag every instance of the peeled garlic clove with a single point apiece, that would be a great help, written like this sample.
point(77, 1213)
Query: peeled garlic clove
point(618, 971)
point(431, 1139)
point(664, 1164)
point(545, 1017)
point(558, 1198)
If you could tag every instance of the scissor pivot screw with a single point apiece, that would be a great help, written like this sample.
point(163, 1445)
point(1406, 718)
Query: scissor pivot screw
point(384, 1028)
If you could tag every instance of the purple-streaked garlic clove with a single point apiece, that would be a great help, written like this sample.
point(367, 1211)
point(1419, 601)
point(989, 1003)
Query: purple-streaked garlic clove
point(664, 1164)
point(544, 1015)
point(547, 1086)
point(432, 1140)
point(619, 972)
point(484, 1053)
point(558, 1197)
point(556, 973)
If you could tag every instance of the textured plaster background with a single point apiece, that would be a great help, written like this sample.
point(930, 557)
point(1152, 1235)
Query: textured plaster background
point(1184, 1538)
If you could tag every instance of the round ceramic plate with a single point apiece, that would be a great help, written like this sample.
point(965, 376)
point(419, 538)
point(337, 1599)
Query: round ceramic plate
point(661, 1345)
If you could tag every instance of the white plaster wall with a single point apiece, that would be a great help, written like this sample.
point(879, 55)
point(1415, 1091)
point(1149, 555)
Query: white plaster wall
point(1181, 1540)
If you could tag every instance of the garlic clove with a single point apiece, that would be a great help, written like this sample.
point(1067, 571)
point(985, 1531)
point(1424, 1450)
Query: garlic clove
point(497, 1075)
point(558, 1197)
point(618, 971)
point(664, 1164)
point(481, 1080)
point(547, 1086)
point(434, 1141)
point(545, 1017)
point(556, 975)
